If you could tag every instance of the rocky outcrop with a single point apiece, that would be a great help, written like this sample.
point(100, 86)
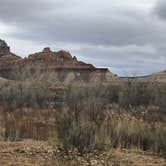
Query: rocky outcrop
point(60, 59)
point(8, 60)
point(4, 49)
point(48, 65)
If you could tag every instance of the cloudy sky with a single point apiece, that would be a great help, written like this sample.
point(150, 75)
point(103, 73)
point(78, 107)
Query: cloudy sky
point(127, 36)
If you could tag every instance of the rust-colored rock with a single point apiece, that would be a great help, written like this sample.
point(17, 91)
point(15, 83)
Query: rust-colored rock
point(60, 59)
point(61, 63)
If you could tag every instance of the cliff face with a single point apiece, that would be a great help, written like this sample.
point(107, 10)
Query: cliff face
point(48, 65)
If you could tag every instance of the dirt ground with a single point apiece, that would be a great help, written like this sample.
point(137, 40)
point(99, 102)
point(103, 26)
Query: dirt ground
point(39, 153)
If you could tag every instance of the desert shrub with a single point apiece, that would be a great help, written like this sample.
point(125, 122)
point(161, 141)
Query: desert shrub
point(127, 94)
point(24, 94)
point(37, 94)
point(90, 121)
point(26, 123)
point(74, 133)
point(114, 128)
point(93, 115)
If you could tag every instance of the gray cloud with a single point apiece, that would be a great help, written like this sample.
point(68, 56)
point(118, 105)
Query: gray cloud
point(123, 35)
point(128, 60)
point(56, 21)
point(160, 9)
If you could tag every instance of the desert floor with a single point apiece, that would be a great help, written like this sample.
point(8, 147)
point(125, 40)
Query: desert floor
point(39, 153)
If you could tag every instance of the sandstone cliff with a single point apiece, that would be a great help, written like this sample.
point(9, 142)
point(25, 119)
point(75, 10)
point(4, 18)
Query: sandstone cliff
point(49, 65)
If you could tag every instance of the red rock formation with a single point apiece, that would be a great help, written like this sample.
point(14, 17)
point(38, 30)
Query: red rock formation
point(60, 59)
point(46, 60)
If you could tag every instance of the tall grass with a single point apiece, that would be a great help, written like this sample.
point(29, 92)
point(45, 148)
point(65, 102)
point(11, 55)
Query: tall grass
point(85, 128)
point(111, 128)
point(26, 123)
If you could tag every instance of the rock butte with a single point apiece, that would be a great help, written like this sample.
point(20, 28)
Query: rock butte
point(46, 60)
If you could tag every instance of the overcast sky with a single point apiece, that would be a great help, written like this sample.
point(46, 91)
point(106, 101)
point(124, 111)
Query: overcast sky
point(127, 36)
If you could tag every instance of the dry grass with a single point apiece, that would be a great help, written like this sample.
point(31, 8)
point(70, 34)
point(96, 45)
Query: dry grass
point(85, 129)
point(26, 123)
point(88, 129)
